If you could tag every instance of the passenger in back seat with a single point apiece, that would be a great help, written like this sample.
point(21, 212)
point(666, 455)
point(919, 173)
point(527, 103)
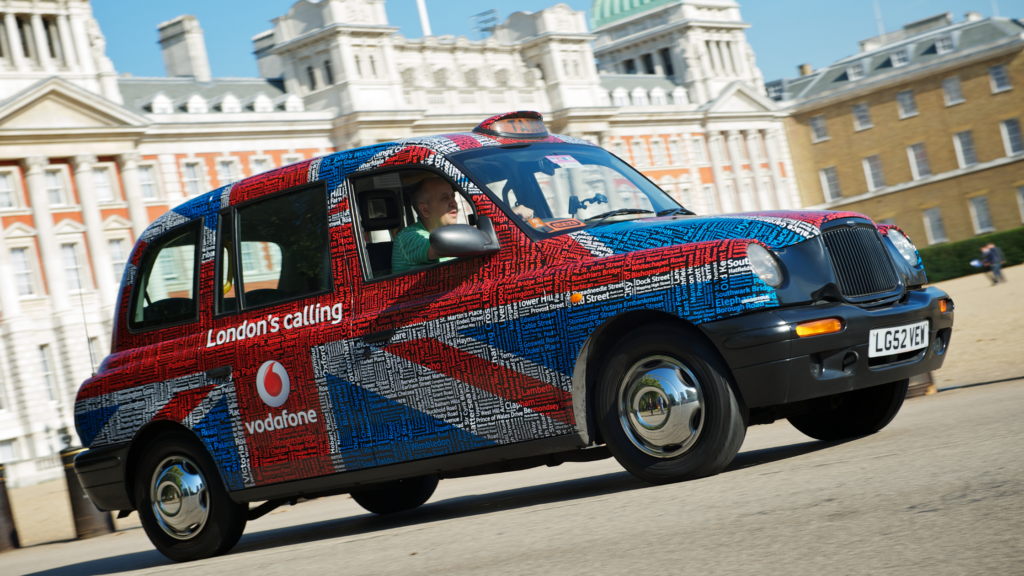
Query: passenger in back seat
point(434, 202)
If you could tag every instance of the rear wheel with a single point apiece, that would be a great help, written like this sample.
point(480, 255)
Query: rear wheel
point(397, 496)
point(182, 503)
point(665, 406)
point(854, 413)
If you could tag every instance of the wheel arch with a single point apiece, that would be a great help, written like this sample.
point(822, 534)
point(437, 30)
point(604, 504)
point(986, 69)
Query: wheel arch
point(143, 438)
point(594, 353)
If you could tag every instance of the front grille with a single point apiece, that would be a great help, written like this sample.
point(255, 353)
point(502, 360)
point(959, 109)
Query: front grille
point(860, 262)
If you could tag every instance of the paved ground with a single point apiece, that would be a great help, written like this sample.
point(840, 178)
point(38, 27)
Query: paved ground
point(940, 491)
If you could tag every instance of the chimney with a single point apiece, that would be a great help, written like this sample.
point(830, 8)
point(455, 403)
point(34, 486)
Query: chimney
point(806, 70)
point(184, 48)
point(973, 16)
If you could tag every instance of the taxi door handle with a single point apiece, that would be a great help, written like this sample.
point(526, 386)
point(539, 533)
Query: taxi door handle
point(221, 372)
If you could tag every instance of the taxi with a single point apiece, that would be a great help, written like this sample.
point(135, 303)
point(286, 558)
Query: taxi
point(268, 346)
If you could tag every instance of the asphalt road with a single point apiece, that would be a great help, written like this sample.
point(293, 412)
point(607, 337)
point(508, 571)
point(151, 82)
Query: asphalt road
point(940, 491)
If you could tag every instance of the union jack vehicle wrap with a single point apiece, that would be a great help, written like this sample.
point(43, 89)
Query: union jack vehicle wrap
point(482, 359)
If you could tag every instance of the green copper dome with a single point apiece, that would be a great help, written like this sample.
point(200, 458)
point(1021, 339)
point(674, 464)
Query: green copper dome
point(607, 11)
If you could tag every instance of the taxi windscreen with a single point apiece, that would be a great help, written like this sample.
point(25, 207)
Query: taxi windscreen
point(556, 188)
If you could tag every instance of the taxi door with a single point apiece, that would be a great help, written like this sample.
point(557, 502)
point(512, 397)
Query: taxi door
point(432, 385)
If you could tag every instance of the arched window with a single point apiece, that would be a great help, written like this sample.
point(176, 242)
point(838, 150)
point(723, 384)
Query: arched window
point(312, 78)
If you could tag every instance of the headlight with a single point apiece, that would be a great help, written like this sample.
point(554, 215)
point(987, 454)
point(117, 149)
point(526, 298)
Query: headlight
point(764, 265)
point(905, 247)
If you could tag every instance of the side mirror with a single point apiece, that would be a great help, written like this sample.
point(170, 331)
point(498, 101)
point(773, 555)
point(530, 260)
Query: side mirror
point(465, 240)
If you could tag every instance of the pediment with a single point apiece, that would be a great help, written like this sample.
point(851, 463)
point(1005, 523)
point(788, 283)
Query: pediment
point(69, 226)
point(19, 230)
point(58, 104)
point(739, 98)
point(116, 222)
point(740, 103)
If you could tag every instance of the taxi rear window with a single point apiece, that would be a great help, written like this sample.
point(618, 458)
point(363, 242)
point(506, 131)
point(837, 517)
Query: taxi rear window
point(165, 291)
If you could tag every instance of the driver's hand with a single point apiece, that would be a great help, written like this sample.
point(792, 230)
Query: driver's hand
point(524, 212)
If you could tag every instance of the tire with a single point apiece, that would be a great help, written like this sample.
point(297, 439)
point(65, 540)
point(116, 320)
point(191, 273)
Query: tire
point(659, 437)
point(179, 528)
point(855, 413)
point(397, 496)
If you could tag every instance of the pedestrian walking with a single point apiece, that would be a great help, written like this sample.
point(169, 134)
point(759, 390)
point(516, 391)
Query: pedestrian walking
point(992, 259)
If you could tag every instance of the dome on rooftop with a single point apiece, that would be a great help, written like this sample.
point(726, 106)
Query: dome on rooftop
point(606, 11)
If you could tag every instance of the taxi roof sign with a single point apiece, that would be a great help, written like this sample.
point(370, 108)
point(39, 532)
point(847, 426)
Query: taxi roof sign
point(524, 124)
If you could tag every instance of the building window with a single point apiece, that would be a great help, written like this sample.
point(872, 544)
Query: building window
point(709, 198)
point(980, 215)
point(728, 206)
point(620, 97)
point(639, 152)
point(328, 72)
point(118, 257)
point(964, 144)
point(620, 150)
point(629, 67)
point(675, 151)
point(8, 450)
point(658, 151)
point(919, 161)
point(55, 187)
point(648, 61)
point(873, 172)
point(944, 45)
point(699, 157)
point(666, 62)
point(830, 183)
point(312, 78)
point(8, 196)
point(951, 91)
point(1000, 79)
point(147, 183)
point(1012, 137)
point(907, 105)
point(226, 172)
point(683, 194)
point(191, 179)
point(900, 58)
point(658, 97)
point(69, 254)
point(862, 116)
point(818, 129)
point(21, 263)
point(49, 380)
point(102, 185)
point(933, 225)
point(638, 97)
point(260, 165)
point(856, 70)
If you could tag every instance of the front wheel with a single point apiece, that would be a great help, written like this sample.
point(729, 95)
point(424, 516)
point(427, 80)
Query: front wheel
point(855, 413)
point(665, 407)
point(182, 503)
point(397, 496)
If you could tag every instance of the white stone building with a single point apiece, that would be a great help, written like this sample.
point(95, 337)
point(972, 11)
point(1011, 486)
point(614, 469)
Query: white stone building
point(88, 158)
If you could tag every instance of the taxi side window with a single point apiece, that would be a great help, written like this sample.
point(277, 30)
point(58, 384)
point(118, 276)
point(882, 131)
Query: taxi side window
point(274, 250)
point(384, 202)
point(165, 289)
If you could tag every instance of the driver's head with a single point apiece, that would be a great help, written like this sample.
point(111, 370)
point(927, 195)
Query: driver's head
point(434, 202)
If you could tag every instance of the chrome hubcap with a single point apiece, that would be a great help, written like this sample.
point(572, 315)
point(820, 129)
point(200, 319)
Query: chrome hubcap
point(180, 499)
point(661, 406)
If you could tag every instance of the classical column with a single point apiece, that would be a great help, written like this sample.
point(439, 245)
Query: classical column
point(735, 143)
point(42, 50)
point(14, 42)
point(129, 163)
point(771, 144)
point(66, 44)
point(91, 217)
point(81, 40)
point(716, 58)
point(727, 63)
point(49, 252)
point(753, 150)
point(716, 169)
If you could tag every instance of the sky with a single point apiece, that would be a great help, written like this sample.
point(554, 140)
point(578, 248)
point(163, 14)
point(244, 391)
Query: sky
point(783, 33)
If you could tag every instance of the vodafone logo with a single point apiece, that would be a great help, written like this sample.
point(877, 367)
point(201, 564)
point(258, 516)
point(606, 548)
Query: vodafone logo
point(273, 384)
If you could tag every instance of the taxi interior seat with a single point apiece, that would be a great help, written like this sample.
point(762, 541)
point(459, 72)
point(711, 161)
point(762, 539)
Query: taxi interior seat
point(168, 309)
point(380, 209)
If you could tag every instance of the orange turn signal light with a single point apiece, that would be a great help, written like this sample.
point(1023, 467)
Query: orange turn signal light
point(819, 327)
point(945, 305)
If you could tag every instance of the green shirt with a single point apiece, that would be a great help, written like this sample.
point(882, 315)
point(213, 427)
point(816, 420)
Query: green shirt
point(410, 249)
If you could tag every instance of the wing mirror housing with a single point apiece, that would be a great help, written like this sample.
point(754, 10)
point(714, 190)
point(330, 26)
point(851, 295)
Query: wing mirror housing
point(465, 240)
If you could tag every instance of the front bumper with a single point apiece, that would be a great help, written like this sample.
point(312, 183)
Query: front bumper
point(102, 474)
point(772, 365)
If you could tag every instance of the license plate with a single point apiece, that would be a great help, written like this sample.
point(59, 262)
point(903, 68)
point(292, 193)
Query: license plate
point(888, 341)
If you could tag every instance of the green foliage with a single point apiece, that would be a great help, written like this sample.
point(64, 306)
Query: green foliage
point(953, 260)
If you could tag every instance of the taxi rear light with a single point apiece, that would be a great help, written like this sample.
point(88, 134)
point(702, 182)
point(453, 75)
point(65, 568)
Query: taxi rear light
point(819, 327)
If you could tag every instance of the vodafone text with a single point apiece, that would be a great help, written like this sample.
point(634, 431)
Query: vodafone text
point(283, 420)
point(315, 314)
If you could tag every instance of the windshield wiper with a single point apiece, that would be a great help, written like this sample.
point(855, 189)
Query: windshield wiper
point(605, 215)
point(676, 211)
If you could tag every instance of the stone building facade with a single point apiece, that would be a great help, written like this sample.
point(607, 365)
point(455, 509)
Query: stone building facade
point(922, 128)
point(88, 158)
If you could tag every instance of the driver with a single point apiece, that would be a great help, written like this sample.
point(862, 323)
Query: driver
point(434, 202)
